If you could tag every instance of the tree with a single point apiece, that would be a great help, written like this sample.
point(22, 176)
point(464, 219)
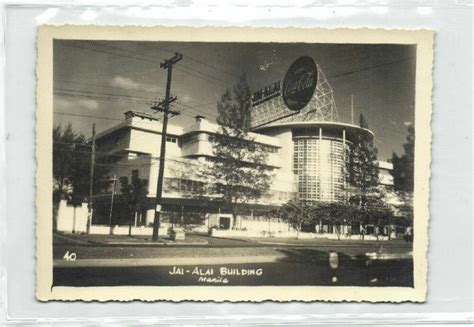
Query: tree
point(239, 172)
point(295, 214)
point(134, 194)
point(363, 173)
point(379, 217)
point(64, 147)
point(334, 214)
point(404, 166)
point(71, 166)
point(403, 178)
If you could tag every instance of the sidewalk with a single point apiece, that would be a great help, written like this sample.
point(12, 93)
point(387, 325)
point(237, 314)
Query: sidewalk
point(323, 241)
point(84, 239)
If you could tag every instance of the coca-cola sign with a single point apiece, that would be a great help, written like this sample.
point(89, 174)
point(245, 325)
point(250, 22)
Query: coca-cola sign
point(299, 83)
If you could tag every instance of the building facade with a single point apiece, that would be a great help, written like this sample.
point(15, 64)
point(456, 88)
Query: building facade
point(135, 145)
point(307, 153)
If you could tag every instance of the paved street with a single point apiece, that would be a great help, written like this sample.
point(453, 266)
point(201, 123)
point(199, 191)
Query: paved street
point(215, 261)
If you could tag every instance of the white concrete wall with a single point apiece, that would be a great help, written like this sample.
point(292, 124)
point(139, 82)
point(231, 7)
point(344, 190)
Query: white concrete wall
point(206, 126)
point(123, 230)
point(203, 147)
point(268, 226)
point(213, 219)
point(72, 219)
point(150, 142)
point(385, 178)
point(284, 178)
point(273, 237)
point(199, 146)
point(154, 125)
point(252, 226)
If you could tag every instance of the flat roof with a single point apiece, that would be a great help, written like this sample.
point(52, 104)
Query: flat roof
point(351, 130)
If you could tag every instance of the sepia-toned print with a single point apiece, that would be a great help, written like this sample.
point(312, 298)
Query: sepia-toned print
point(233, 164)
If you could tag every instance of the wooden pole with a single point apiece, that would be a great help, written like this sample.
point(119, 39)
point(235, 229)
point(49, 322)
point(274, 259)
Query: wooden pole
point(112, 205)
point(91, 182)
point(165, 108)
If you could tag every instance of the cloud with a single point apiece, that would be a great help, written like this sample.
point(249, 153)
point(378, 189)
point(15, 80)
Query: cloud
point(129, 84)
point(62, 103)
point(88, 104)
point(407, 123)
point(124, 83)
point(186, 98)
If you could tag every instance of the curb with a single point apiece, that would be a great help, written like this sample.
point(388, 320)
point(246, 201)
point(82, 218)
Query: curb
point(134, 243)
point(148, 243)
point(145, 262)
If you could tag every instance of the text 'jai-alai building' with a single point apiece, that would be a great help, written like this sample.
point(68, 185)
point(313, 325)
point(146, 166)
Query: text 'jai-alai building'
point(307, 150)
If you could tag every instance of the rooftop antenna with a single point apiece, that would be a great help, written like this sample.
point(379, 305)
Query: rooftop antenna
point(352, 109)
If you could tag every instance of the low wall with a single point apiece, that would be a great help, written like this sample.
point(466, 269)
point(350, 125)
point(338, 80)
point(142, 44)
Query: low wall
point(71, 219)
point(268, 226)
point(123, 230)
point(288, 234)
point(197, 229)
point(250, 225)
point(248, 233)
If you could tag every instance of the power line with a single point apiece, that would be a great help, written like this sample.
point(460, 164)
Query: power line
point(181, 68)
point(178, 68)
point(88, 116)
point(369, 68)
point(102, 93)
point(142, 58)
point(196, 60)
point(105, 52)
point(107, 86)
point(197, 104)
point(131, 101)
point(111, 99)
point(104, 98)
point(206, 78)
point(380, 126)
point(132, 98)
point(118, 119)
point(196, 111)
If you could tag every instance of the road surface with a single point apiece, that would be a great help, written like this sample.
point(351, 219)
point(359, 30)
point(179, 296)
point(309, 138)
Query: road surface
point(233, 262)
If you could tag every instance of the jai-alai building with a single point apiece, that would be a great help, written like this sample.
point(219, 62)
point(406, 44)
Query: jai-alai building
point(307, 152)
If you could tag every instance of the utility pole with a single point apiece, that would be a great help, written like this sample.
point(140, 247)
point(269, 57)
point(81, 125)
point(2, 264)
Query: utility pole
point(112, 204)
point(164, 106)
point(91, 182)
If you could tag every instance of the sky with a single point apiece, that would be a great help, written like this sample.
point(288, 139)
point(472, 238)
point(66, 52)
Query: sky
point(97, 81)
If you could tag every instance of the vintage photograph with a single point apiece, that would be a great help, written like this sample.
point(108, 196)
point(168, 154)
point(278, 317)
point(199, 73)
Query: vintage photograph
point(180, 163)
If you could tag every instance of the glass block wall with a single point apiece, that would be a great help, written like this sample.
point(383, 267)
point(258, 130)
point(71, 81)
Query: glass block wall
point(320, 168)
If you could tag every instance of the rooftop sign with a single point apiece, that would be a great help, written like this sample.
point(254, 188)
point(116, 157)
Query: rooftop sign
point(299, 83)
point(267, 93)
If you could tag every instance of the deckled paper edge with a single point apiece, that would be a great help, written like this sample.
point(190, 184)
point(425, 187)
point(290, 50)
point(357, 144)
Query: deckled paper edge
point(423, 108)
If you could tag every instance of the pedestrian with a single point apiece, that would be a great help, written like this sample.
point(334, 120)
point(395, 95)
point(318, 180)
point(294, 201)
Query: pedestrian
point(362, 233)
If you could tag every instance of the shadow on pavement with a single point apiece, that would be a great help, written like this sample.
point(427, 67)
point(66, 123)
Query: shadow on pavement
point(351, 270)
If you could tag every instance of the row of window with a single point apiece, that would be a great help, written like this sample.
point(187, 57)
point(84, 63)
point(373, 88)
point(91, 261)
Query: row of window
point(172, 139)
point(189, 186)
point(194, 137)
point(319, 166)
point(183, 185)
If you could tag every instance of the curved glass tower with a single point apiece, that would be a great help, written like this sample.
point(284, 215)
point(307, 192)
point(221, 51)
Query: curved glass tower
point(316, 143)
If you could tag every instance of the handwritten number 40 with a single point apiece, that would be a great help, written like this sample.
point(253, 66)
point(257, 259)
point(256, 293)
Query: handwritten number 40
point(70, 256)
